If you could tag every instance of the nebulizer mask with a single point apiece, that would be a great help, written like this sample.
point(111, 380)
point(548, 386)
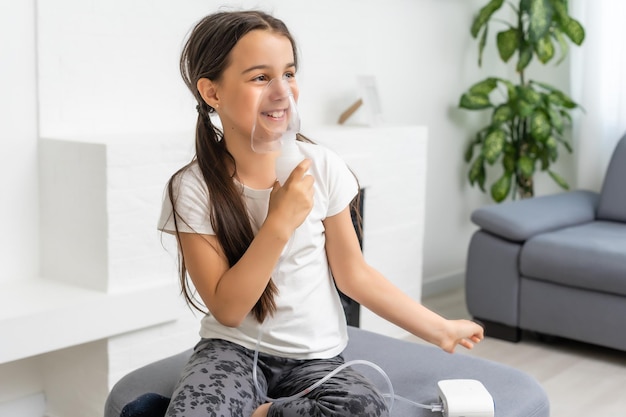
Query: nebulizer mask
point(276, 125)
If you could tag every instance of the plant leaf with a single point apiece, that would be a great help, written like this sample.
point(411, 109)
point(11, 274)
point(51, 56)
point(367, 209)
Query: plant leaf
point(544, 49)
point(543, 85)
point(482, 177)
point(481, 45)
point(540, 126)
point(524, 108)
point(566, 145)
point(559, 180)
point(527, 100)
point(551, 145)
point(565, 115)
point(560, 11)
point(530, 95)
point(508, 42)
point(557, 97)
point(575, 31)
point(476, 173)
point(503, 113)
point(526, 166)
point(511, 89)
point(475, 101)
point(484, 87)
point(572, 28)
point(525, 56)
point(540, 16)
point(558, 35)
point(493, 145)
point(500, 189)
point(508, 162)
point(560, 99)
point(469, 152)
point(484, 15)
point(556, 120)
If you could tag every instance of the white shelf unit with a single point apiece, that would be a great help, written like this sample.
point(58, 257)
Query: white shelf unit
point(107, 299)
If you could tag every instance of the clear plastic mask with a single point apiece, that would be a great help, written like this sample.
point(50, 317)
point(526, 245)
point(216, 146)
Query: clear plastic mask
point(277, 118)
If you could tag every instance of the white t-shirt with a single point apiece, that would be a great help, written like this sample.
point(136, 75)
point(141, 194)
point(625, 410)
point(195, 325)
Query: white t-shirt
point(309, 322)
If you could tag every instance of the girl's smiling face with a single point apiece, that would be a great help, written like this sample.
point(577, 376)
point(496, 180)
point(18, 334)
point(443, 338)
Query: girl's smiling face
point(258, 57)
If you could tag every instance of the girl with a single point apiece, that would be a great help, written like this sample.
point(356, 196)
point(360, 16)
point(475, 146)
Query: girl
point(233, 220)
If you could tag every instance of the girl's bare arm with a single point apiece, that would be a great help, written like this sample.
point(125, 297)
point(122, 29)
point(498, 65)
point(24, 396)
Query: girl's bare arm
point(370, 288)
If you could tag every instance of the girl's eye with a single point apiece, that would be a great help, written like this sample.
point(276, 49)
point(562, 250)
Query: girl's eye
point(290, 75)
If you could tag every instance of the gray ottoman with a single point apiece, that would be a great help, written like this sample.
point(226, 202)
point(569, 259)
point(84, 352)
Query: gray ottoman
point(414, 370)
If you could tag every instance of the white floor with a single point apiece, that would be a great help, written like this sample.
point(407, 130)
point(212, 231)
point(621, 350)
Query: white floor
point(581, 380)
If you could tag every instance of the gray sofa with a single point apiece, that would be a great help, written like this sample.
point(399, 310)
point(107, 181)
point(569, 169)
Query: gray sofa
point(555, 264)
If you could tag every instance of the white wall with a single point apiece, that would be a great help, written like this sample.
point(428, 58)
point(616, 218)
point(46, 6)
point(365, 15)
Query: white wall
point(18, 141)
point(20, 381)
point(111, 67)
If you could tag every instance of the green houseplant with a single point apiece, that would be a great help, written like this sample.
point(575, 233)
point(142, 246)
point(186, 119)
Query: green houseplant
point(528, 118)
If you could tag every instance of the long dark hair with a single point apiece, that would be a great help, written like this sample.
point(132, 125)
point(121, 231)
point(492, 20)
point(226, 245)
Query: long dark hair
point(206, 55)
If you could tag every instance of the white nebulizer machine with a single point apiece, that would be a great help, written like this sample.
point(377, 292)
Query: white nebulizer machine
point(276, 125)
point(465, 398)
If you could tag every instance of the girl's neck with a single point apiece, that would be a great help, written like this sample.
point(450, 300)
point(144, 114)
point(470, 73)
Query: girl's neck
point(255, 170)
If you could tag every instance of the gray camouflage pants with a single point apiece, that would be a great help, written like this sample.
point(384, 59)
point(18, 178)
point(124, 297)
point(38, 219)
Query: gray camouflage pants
point(217, 382)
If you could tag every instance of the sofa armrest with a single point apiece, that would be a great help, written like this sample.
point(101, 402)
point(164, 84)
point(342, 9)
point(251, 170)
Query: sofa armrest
point(519, 220)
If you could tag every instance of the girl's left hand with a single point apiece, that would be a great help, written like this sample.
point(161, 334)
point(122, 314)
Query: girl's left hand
point(462, 332)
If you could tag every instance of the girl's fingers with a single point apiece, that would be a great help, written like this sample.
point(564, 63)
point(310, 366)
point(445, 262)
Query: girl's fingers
point(466, 344)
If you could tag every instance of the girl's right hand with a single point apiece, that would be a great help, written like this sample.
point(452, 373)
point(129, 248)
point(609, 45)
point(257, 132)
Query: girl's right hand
point(291, 203)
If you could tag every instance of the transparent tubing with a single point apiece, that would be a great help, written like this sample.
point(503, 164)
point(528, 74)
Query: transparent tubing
point(437, 407)
point(320, 381)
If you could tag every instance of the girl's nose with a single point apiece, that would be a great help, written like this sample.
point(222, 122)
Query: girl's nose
point(278, 89)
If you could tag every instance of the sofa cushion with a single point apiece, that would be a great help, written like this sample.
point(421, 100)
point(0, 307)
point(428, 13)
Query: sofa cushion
point(519, 220)
point(612, 204)
point(590, 256)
